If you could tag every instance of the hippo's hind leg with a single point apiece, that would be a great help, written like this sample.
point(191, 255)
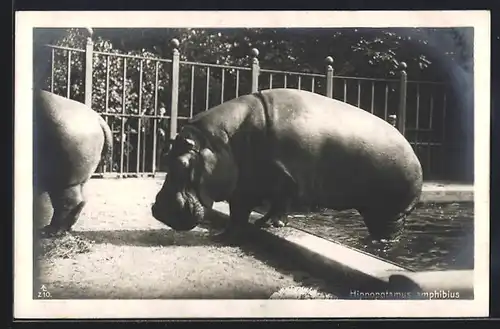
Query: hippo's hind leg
point(68, 204)
point(276, 214)
point(382, 225)
point(281, 197)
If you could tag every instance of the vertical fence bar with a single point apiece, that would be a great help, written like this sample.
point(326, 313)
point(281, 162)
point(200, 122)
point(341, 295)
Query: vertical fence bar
point(175, 90)
point(417, 117)
point(299, 82)
point(207, 90)
point(191, 94)
point(129, 144)
point(222, 89)
point(52, 59)
point(444, 113)
point(284, 80)
point(429, 152)
point(127, 127)
point(68, 77)
point(417, 112)
point(329, 77)
point(237, 83)
point(155, 120)
point(345, 90)
point(106, 97)
point(443, 136)
point(386, 100)
point(89, 55)
point(402, 99)
point(431, 110)
point(139, 120)
point(255, 70)
point(372, 106)
point(144, 147)
point(270, 81)
point(106, 102)
point(312, 84)
point(124, 102)
point(359, 93)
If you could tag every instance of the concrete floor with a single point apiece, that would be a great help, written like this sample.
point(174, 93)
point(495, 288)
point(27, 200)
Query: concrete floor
point(134, 256)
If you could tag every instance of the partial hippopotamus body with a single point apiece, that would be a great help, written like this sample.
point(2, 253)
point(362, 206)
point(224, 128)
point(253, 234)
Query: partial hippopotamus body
point(70, 140)
point(285, 145)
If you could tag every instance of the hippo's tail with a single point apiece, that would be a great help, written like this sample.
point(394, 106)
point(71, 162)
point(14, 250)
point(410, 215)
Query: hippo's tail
point(107, 150)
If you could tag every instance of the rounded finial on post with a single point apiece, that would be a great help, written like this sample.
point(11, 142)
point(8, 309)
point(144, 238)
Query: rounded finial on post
point(329, 62)
point(89, 31)
point(175, 43)
point(255, 53)
point(402, 66)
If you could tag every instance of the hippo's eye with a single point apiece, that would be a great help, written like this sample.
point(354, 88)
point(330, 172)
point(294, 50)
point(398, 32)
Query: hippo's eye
point(181, 165)
point(182, 145)
point(190, 143)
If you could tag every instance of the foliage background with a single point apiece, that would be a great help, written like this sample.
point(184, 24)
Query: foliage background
point(431, 54)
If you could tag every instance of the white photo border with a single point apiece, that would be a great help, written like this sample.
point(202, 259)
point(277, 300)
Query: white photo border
point(26, 307)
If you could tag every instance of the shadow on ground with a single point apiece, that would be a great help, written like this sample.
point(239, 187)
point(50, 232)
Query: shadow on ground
point(148, 238)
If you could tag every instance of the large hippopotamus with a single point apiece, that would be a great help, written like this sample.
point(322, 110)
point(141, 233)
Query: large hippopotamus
point(70, 140)
point(285, 145)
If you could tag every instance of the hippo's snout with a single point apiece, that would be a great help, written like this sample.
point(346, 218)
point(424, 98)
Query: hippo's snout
point(179, 212)
point(154, 211)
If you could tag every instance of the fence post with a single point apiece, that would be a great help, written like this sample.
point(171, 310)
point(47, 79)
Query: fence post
point(255, 70)
point(401, 117)
point(175, 89)
point(89, 54)
point(329, 76)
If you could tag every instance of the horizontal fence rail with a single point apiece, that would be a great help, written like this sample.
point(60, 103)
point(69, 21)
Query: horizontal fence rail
point(147, 100)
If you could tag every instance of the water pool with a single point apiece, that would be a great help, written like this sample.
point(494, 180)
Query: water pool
point(436, 237)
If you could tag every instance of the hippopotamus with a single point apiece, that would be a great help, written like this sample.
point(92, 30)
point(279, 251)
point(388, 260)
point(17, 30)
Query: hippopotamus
point(70, 140)
point(284, 145)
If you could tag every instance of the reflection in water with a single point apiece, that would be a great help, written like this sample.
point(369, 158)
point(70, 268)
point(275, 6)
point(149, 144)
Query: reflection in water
point(436, 237)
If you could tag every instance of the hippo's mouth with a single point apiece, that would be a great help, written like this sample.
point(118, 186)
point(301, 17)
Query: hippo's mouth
point(180, 210)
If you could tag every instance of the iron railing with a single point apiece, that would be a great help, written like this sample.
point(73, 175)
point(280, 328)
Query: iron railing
point(143, 129)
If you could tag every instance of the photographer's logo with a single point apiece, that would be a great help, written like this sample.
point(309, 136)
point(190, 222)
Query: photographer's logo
point(43, 292)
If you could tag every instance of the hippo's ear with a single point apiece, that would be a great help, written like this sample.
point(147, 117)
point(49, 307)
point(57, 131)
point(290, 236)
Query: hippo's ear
point(218, 175)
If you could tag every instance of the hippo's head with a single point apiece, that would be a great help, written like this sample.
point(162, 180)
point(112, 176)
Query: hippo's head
point(197, 175)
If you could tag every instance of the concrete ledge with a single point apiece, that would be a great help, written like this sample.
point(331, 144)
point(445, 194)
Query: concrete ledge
point(358, 271)
point(435, 192)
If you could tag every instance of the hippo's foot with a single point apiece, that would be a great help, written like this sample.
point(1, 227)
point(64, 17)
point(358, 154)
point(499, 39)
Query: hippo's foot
point(281, 221)
point(51, 231)
point(276, 223)
point(264, 222)
point(384, 229)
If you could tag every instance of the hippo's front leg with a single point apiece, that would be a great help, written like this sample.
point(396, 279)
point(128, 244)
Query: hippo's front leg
point(239, 214)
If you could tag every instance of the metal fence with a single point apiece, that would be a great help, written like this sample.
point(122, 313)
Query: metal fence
point(135, 105)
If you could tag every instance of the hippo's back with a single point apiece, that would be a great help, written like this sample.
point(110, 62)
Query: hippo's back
point(68, 140)
point(339, 152)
